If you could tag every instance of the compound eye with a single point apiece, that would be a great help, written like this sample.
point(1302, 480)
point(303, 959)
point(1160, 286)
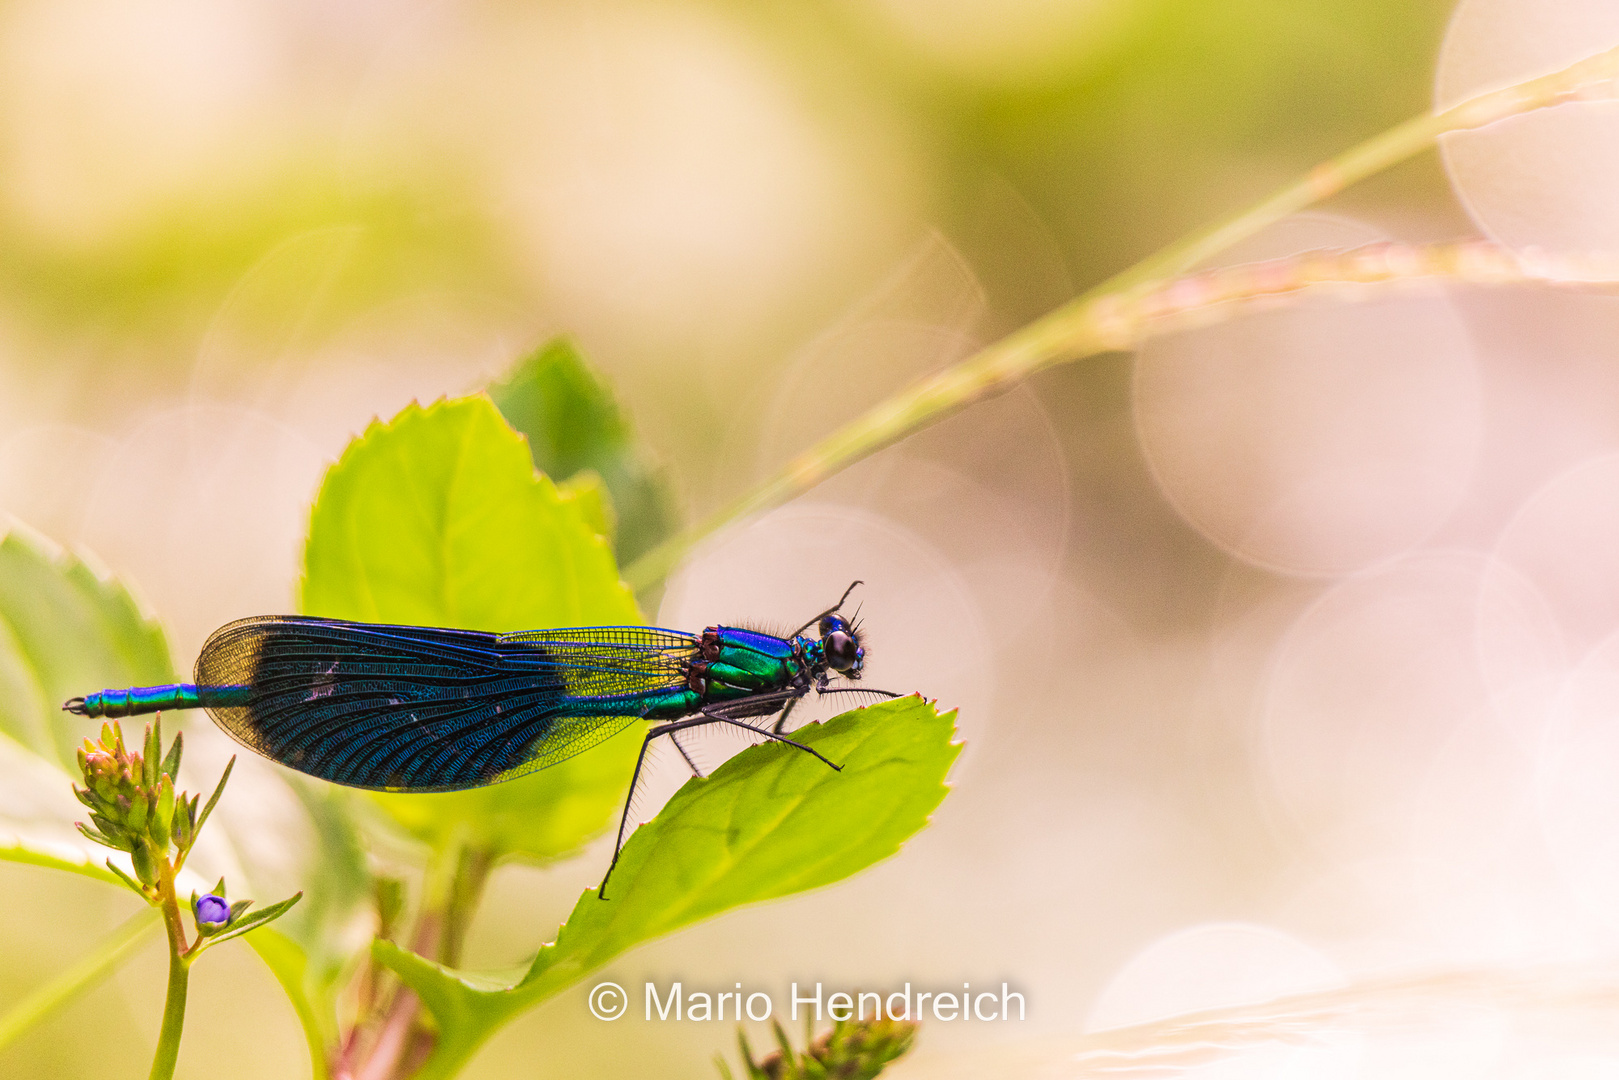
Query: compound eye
point(831, 624)
point(841, 651)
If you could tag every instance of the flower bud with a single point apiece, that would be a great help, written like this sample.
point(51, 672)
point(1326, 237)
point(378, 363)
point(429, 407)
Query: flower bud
point(145, 865)
point(112, 831)
point(211, 911)
point(151, 753)
point(100, 770)
point(135, 818)
point(162, 813)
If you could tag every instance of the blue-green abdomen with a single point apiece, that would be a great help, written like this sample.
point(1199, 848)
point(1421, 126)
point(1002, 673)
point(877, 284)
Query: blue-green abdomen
point(668, 704)
point(149, 699)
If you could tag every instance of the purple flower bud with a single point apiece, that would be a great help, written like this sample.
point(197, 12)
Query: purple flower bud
point(212, 910)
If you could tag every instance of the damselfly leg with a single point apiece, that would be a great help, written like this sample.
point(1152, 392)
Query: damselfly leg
point(712, 715)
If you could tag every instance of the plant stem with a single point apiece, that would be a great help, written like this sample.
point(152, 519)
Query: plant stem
point(465, 891)
point(1078, 328)
point(174, 1005)
point(451, 889)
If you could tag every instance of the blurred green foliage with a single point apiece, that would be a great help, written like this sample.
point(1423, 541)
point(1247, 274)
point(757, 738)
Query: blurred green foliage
point(573, 425)
point(170, 272)
point(1185, 110)
point(65, 630)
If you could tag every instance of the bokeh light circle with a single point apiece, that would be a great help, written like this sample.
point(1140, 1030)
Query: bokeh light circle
point(1316, 438)
point(1522, 650)
point(1211, 966)
point(1009, 41)
point(1578, 797)
point(1563, 541)
point(1478, 866)
point(923, 629)
point(204, 509)
point(1363, 694)
point(1545, 179)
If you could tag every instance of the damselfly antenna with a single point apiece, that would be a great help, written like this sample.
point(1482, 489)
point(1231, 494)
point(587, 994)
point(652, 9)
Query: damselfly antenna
point(833, 610)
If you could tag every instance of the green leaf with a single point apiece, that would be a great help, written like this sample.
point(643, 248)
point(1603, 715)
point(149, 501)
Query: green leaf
point(213, 800)
point(65, 630)
point(573, 423)
point(151, 752)
point(37, 816)
point(248, 923)
point(93, 968)
point(171, 763)
point(438, 518)
point(770, 822)
point(128, 882)
point(289, 964)
point(587, 492)
point(19, 849)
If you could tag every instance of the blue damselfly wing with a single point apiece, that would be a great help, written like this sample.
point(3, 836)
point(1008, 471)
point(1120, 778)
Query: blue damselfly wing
point(421, 709)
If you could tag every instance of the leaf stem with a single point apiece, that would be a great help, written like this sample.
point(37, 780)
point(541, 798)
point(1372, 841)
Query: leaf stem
point(1078, 329)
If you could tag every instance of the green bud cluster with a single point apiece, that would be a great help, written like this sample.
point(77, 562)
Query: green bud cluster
point(134, 808)
point(851, 1050)
point(133, 803)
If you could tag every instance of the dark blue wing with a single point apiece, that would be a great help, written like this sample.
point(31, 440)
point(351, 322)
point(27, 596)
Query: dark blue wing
point(412, 708)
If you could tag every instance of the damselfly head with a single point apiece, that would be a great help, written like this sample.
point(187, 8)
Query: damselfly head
point(840, 644)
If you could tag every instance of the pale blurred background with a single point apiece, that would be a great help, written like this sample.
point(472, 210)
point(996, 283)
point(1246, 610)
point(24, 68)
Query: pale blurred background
point(1287, 651)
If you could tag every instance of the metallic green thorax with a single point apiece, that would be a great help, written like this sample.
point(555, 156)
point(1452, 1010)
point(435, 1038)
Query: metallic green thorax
point(732, 663)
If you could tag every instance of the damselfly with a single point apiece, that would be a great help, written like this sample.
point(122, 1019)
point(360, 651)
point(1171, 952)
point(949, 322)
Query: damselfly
point(424, 709)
